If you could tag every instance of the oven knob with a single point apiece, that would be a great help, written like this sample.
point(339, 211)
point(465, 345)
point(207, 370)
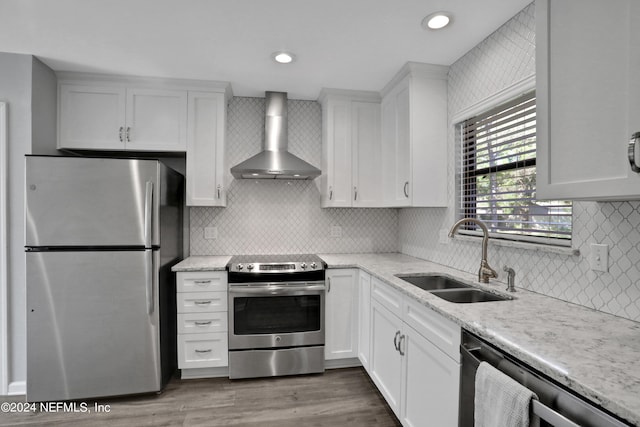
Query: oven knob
point(313, 265)
point(240, 266)
point(303, 265)
point(250, 266)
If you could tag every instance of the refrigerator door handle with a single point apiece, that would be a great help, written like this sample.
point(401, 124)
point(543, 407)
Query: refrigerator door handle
point(148, 207)
point(148, 275)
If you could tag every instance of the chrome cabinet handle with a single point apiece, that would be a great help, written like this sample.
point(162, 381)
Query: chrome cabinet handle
point(396, 345)
point(127, 134)
point(330, 193)
point(202, 323)
point(120, 133)
point(400, 350)
point(219, 190)
point(202, 282)
point(631, 151)
point(355, 193)
point(203, 351)
point(328, 284)
point(202, 302)
point(406, 189)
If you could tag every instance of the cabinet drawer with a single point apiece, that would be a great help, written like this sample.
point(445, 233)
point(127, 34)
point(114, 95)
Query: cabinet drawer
point(201, 302)
point(200, 323)
point(387, 296)
point(442, 332)
point(203, 350)
point(199, 281)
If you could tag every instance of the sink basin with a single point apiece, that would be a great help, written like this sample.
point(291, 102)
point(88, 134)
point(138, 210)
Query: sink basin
point(468, 295)
point(433, 282)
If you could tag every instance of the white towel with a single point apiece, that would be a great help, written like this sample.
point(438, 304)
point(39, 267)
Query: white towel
point(500, 401)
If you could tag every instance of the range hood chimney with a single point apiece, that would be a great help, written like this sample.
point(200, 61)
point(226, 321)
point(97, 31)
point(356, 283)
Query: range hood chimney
point(274, 161)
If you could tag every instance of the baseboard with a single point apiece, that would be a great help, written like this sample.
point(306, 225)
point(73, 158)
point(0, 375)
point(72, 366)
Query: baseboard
point(342, 363)
point(193, 373)
point(17, 388)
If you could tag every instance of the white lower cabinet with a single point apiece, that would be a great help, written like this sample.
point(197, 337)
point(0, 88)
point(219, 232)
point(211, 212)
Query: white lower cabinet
point(418, 379)
point(341, 314)
point(202, 322)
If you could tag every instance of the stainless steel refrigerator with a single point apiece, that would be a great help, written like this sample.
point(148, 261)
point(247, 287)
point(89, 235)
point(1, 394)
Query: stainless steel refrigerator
point(101, 237)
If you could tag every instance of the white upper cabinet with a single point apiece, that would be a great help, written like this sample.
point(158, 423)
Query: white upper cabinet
point(156, 120)
point(414, 137)
point(206, 162)
point(91, 117)
point(116, 117)
point(588, 99)
point(351, 149)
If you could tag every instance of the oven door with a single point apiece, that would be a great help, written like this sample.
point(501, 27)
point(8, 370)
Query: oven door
point(276, 315)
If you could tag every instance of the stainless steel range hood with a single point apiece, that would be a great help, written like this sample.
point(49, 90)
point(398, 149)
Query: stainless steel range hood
point(274, 161)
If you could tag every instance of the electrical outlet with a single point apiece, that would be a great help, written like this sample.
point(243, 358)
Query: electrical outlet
point(336, 231)
point(211, 233)
point(444, 237)
point(599, 257)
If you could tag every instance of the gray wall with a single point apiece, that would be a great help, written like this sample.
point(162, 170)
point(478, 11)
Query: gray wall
point(29, 88)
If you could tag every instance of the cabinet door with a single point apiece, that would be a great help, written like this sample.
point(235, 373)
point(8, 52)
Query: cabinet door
point(156, 120)
point(588, 98)
point(337, 191)
point(341, 314)
point(205, 149)
point(430, 384)
point(364, 316)
point(367, 154)
point(91, 117)
point(386, 361)
point(396, 145)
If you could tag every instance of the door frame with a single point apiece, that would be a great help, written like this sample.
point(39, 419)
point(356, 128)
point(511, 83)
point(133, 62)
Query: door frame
point(4, 318)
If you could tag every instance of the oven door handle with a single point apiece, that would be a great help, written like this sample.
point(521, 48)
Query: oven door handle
point(274, 289)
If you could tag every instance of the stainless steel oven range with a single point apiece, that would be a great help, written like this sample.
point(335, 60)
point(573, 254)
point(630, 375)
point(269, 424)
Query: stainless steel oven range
point(276, 315)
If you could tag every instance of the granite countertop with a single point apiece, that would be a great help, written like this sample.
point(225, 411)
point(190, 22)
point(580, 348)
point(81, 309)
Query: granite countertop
point(593, 353)
point(202, 263)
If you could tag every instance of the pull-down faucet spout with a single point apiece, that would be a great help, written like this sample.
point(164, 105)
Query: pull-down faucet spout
point(485, 272)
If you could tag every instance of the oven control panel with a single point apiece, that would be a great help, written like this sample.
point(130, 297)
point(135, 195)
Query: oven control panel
point(274, 267)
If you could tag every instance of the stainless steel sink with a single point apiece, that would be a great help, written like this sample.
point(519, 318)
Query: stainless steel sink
point(433, 282)
point(468, 295)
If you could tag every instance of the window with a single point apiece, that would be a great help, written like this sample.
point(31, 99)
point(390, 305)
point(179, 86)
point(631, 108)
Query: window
point(498, 176)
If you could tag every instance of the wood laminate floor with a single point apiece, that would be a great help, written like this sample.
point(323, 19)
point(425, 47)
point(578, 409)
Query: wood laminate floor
point(339, 397)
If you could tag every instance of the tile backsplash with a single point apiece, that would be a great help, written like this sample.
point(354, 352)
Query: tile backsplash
point(504, 58)
point(268, 216)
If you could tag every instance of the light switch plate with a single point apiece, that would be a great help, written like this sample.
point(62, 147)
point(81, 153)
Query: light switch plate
point(211, 233)
point(336, 231)
point(599, 257)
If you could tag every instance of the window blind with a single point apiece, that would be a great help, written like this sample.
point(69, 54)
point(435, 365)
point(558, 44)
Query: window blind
point(498, 174)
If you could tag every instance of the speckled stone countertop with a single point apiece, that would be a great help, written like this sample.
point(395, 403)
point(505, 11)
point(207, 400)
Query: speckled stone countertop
point(202, 263)
point(593, 353)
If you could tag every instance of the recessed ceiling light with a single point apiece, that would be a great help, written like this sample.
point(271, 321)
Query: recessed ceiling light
point(283, 57)
point(437, 20)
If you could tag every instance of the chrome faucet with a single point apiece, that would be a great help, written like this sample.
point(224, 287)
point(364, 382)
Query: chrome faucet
point(485, 272)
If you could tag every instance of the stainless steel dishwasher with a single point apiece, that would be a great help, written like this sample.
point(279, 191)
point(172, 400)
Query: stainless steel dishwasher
point(556, 406)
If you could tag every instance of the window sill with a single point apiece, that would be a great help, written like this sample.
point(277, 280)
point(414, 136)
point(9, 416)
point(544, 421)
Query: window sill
point(537, 247)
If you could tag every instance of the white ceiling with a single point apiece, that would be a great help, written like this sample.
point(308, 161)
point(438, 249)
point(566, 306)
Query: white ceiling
point(345, 44)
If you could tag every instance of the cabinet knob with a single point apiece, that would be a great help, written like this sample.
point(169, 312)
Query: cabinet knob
point(631, 151)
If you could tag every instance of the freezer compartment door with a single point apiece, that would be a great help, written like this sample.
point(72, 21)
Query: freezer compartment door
point(92, 324)
point(75, 201)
